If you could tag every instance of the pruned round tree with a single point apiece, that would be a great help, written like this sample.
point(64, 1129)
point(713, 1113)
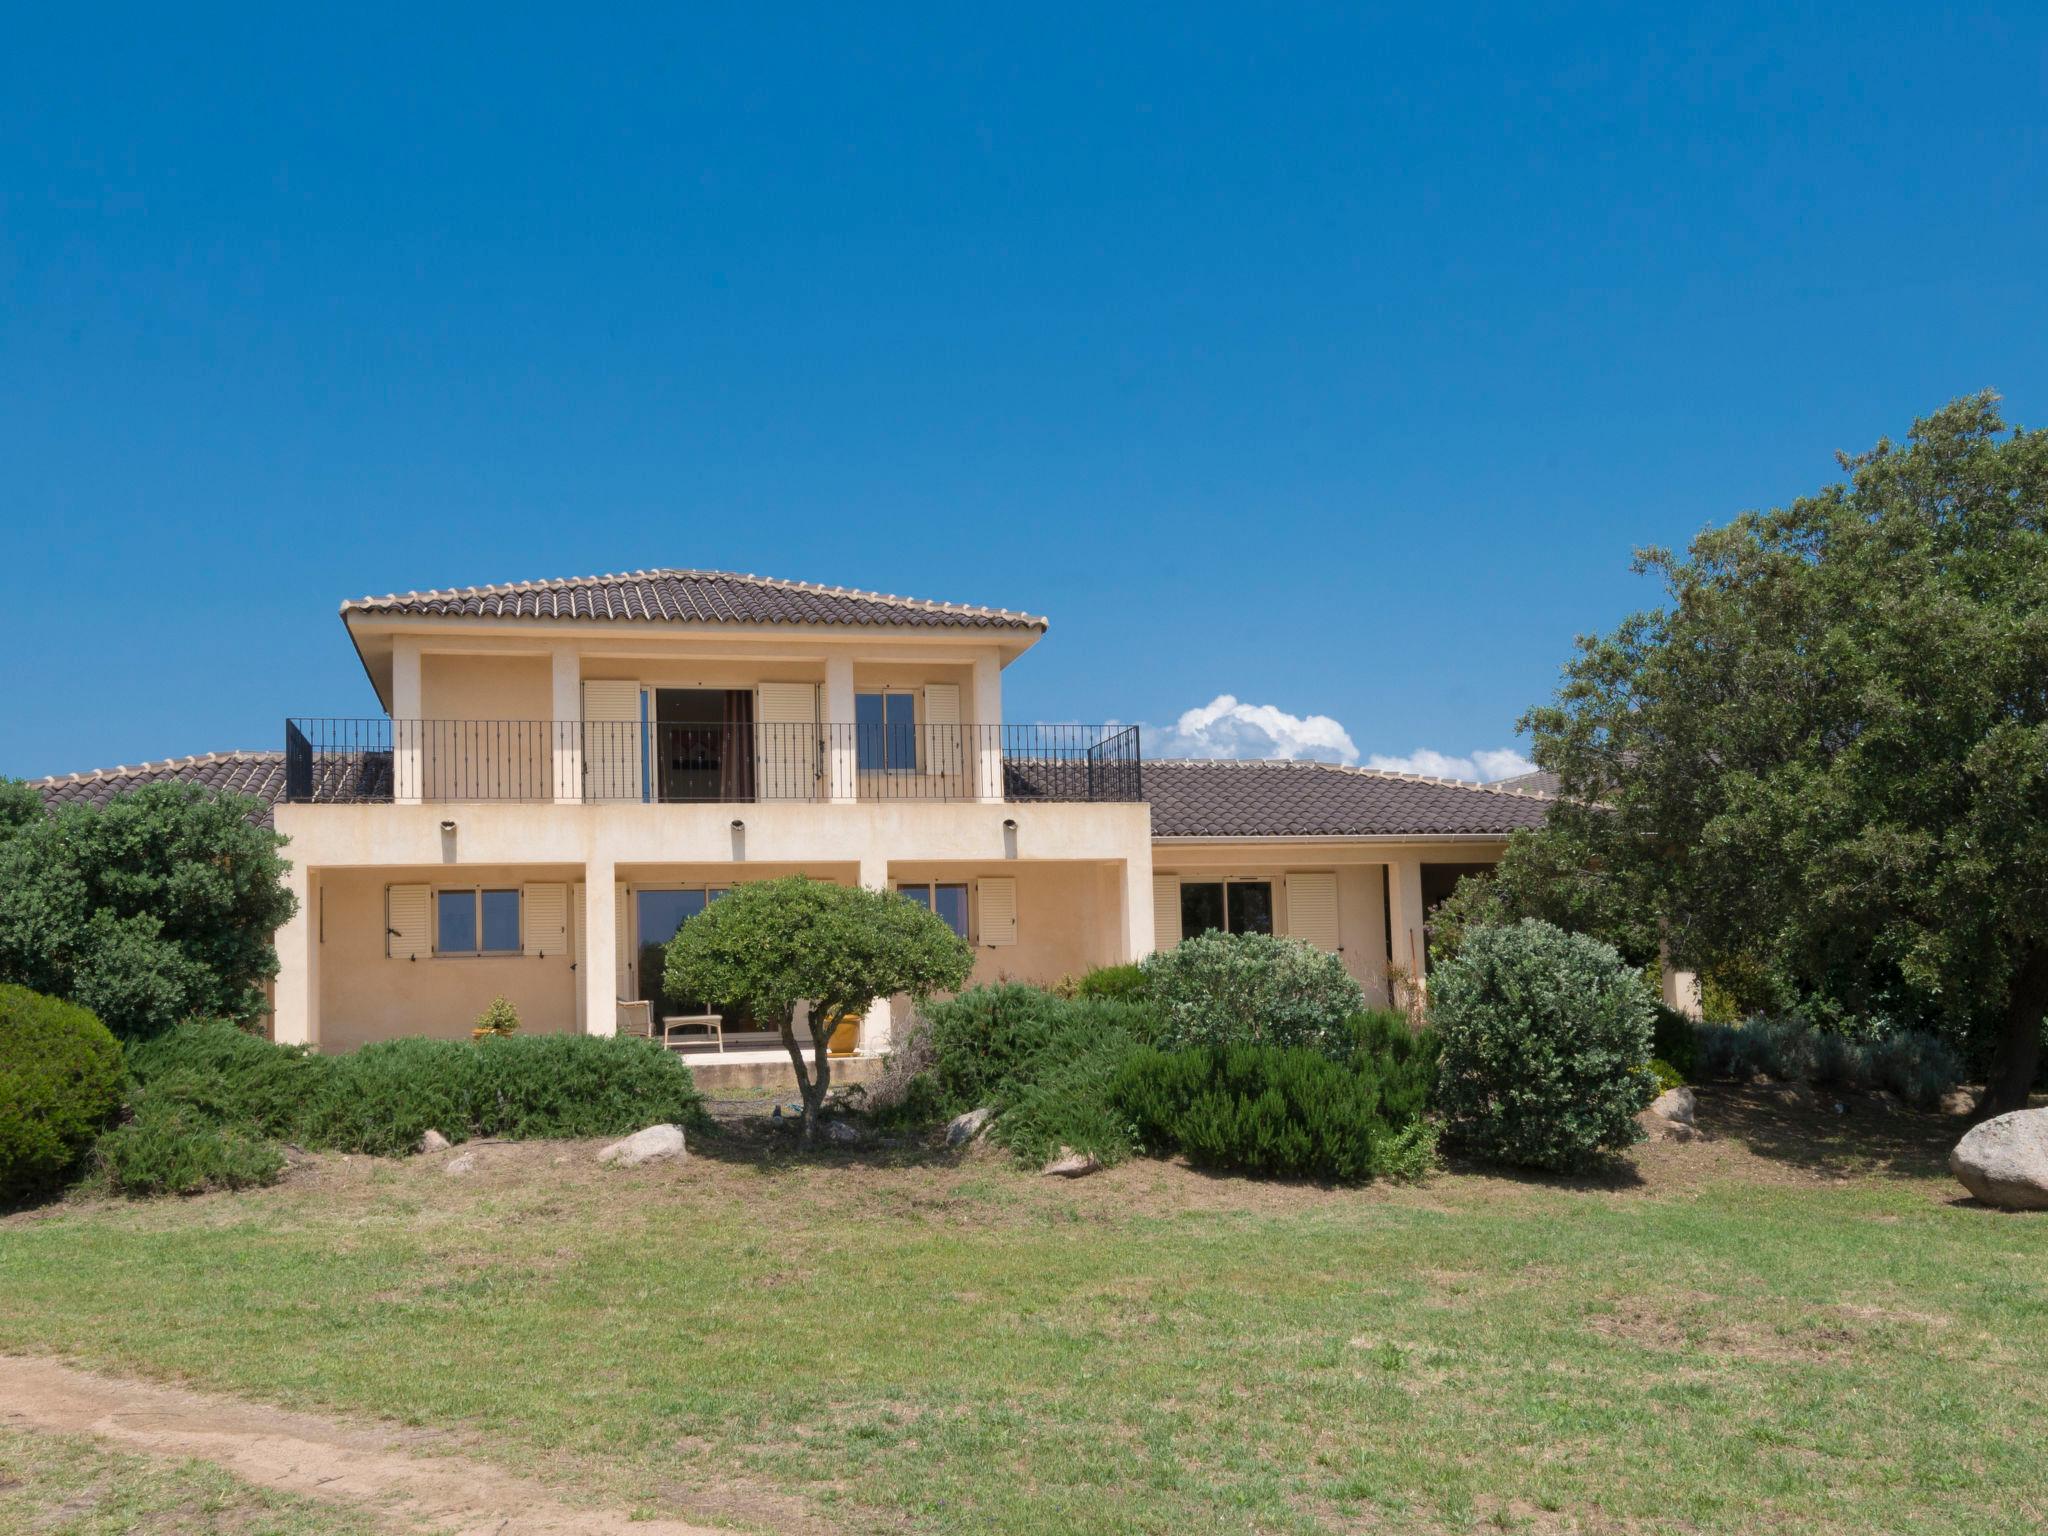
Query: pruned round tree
point(778, 946)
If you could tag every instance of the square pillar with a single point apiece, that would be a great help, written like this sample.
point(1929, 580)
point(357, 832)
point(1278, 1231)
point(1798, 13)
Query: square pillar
point(566, 728)
point(988, 728)
point(407, 776)
point(295, 1019)
point(1404, 922)
point(842, 764)
point(600, 974)
point(1139, 930)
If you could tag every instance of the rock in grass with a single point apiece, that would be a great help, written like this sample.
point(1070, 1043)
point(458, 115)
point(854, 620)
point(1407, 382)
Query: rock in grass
point(1072, 1165)
point(1676, 1105)
point(2004, 1161)
point(656, 1144)
point(962, 1129)
point(457, 1166)
point(843, 1133)
point(433, 1141)
point(1959, 1101)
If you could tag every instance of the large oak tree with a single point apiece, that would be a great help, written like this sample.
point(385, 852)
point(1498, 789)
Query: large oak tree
point(1823, 763)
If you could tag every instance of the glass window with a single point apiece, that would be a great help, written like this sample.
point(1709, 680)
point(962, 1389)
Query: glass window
point(455, 928)
point(1201, 906)
point(473, 922)
point(949, 901)
point(1228, 906)
point(885, 732)
point(1251, 906)
point(501, 921)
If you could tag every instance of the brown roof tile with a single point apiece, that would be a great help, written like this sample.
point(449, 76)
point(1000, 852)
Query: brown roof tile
point(1234, 798)
point(259, 774)
point(690, 597)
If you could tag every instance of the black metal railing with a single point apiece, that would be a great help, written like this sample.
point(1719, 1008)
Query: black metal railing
point(664, 762)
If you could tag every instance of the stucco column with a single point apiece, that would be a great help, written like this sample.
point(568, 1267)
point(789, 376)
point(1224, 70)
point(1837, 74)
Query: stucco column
point(566, 726)
point(988, 721)
point(1404, 922)
point(406, 777)
point(842, 779)
point(1138, 924)
point(877, 1025)
point(600, 976)
point(296, 1000)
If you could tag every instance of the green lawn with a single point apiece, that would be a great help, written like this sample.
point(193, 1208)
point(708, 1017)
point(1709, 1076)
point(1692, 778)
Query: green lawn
point(67, 1485)
point(1795, 1327)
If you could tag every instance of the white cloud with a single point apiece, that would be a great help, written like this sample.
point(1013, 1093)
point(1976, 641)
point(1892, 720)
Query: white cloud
point(1483, 766)
point(1224, 727)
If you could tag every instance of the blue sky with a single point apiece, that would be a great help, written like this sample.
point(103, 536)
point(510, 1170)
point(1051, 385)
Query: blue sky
point(1329, 360)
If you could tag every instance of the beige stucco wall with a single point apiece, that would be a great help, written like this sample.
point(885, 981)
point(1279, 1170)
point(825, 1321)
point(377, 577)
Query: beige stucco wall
point(1366, 871)
point(366, 995)
point(1067, 920)
point(1068, 917)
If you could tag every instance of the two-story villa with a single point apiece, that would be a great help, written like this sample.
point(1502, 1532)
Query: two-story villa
point(567, 770)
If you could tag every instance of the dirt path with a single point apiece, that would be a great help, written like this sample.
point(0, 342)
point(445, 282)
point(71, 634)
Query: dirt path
point(304, 1454)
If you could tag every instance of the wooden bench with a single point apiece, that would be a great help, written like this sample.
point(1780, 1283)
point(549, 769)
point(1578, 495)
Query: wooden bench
point(710, 1025)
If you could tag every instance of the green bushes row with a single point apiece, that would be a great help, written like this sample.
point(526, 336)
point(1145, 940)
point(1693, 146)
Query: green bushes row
point(1918, 1067)
point(1099, 1074)
point(210, 1104)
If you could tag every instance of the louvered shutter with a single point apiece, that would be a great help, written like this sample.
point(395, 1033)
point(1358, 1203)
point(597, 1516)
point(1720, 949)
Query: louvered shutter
point(999, 911)
point(612, 741)
point(942, 734)
point(622, 941)
point(786, 740)
point(408, 921)
point(546, 911)
point(1312, 909)
point(1165, 911)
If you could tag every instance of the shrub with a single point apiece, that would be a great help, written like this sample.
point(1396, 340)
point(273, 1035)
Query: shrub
point(1251, 988)
point(500, 1019)
point(1069, 1100)
point(986, 1037)
point(1668, 1077)
point(262, 1087)
point(1120, 981)
point(1402, 1058)
point(1916, 1066)
point(179, 1148)
point(1268, 1109)
point(382, 1098)
point(1675, 1039)
point(1545, 1036)
point(61, 1081)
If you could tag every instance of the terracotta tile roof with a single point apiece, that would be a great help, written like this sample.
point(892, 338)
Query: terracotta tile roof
point(259, 774)
point(1232, 798)
point(691, 597)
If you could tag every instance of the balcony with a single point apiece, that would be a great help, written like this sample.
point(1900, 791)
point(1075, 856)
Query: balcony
point(382, 761)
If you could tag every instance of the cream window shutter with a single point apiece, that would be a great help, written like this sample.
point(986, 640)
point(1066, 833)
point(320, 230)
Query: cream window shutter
point(942, 734)
point(1312, 909)
point(611, 740)
point(786, 740)
point(622, 940)
point(1165, 911)
point(998, 911)
point(408, 921)
point(546, 914)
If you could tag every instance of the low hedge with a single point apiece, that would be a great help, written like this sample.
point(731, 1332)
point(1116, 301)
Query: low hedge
point(61, 1083)
point(1916, 1066)
point(1281, 1110)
